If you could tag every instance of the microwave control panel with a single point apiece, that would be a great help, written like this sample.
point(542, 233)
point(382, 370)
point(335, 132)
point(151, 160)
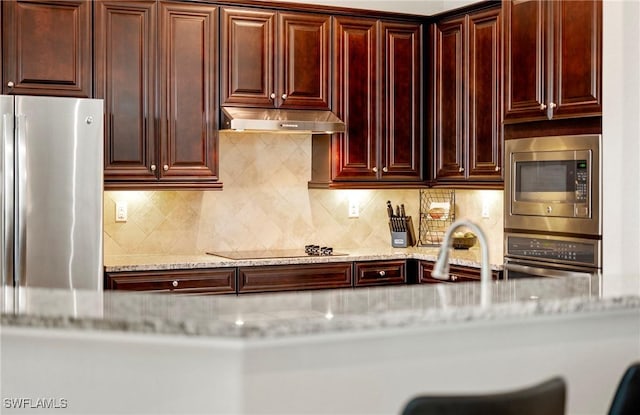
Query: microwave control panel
point(582, 181)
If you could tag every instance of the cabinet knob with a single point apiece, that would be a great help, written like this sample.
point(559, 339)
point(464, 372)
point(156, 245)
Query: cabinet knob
point(461, 169)
point(382, 273)
point(273, 95)
point(10, 84)
point(385, 169)
point(165, 167)
point(284, 96)
point(174, 283)
point(552, 105)
point(153, 167)
point(543, 107)
point(375, 169)
point(454, 277)
point(497, 168)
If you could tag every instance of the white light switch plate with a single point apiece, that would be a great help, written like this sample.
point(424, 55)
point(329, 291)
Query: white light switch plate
point(121, 211)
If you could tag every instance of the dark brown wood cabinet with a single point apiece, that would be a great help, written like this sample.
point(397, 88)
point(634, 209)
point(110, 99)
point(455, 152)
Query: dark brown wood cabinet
point(156, 69)
point(466, 107)
point(372, 273)
point(553, 59)
point(275, 59)
point(196, 281)
point(378, 67)
point(294, 277)
point(47, 48)
point(457, 273)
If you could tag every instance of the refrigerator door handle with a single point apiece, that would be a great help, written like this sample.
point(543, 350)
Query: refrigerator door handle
point(7, 154)
point(21, 205)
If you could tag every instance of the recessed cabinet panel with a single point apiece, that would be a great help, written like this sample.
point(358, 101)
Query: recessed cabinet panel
point(247, 57)
point(526, 40)
point(578, 58)
point(305, 67)
point(485, 96)
point(402, 86)
point(356, 71)
point(188, 91)
point(125, 35)
point(47, 48)
point(449, 96)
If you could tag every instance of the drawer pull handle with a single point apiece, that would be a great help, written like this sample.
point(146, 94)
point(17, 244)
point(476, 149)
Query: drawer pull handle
point(382, 273)
point(174, 283)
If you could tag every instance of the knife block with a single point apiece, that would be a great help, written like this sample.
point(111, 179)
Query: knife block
point(405, 237)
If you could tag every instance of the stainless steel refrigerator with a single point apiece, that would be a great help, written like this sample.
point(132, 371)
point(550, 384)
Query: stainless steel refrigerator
point(51, 167)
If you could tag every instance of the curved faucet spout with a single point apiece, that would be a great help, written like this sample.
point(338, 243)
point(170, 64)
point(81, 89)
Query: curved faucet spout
point(441, 269)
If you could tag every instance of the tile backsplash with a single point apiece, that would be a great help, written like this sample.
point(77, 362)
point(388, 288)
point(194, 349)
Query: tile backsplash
point(266, 204)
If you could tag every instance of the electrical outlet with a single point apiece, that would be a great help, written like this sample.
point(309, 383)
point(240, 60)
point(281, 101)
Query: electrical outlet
point(485, 209)
point(354, 209)
point(121, 211)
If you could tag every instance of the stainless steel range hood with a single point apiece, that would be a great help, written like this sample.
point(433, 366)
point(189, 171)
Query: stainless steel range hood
point(318, 122)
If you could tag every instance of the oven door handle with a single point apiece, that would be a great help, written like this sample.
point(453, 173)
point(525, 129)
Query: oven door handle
point(544, 272)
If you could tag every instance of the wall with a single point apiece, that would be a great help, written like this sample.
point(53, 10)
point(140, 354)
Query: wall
point(621, 138)
point(424, 7)
point(266, 204)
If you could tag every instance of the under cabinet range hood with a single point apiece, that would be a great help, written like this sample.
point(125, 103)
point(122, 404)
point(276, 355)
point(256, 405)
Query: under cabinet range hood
point(316, 121)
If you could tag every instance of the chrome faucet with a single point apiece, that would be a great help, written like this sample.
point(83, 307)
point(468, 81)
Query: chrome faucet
point(441, 269)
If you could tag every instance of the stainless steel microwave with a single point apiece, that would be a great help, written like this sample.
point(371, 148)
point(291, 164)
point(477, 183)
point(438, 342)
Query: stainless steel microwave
point(553, 184)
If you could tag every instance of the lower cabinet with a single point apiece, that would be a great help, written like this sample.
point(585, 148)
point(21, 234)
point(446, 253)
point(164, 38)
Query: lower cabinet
point(457, 273)
point(293, 277)
point(379, 273)
point(193, 281)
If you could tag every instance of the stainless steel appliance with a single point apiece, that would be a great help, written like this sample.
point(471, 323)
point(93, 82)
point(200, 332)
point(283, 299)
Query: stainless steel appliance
point(51, 167)
point(553, 218)
point(553, 184)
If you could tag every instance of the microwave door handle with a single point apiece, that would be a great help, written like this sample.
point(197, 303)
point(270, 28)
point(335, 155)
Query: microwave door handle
point(544, 272)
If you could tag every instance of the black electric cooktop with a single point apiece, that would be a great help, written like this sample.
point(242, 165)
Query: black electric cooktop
point(268, 254)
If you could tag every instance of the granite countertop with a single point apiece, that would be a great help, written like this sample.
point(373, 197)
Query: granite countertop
point(115, 263)
point(291, 315)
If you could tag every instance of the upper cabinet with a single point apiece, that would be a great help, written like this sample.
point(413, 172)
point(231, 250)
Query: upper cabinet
point(156, 69)
point(46, 47)
point(379, 97)
point(465, 114)
point(275, 59)
point(553, 59)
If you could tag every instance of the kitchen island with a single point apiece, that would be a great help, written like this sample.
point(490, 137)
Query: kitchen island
point(344, 351)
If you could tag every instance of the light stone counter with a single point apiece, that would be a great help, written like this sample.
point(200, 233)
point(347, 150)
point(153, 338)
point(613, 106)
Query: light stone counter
point(351, 351)
point(114, 263)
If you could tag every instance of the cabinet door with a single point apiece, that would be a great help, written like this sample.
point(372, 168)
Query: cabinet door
point(357, 99)
point(577, 58)
point(188, 88)
point(247, 43)
point(47, 47)
point(125, 39)
point(303, 53)
point(401, 137)
point(526, 42)
point(449, 107)
point(485, 96)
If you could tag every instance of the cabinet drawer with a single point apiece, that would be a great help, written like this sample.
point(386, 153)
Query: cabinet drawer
point(457, 273)
point(380, 273)
point(216, 281)
point(293, 277)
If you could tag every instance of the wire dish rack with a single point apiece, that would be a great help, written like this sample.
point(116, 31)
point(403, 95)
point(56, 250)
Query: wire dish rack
point(437, 213)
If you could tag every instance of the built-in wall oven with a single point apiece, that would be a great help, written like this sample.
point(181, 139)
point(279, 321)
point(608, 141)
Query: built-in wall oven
point(552, 218)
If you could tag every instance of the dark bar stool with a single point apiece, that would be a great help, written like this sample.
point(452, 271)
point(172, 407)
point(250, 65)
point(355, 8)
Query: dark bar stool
point(626, 400)
point(546, 398)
